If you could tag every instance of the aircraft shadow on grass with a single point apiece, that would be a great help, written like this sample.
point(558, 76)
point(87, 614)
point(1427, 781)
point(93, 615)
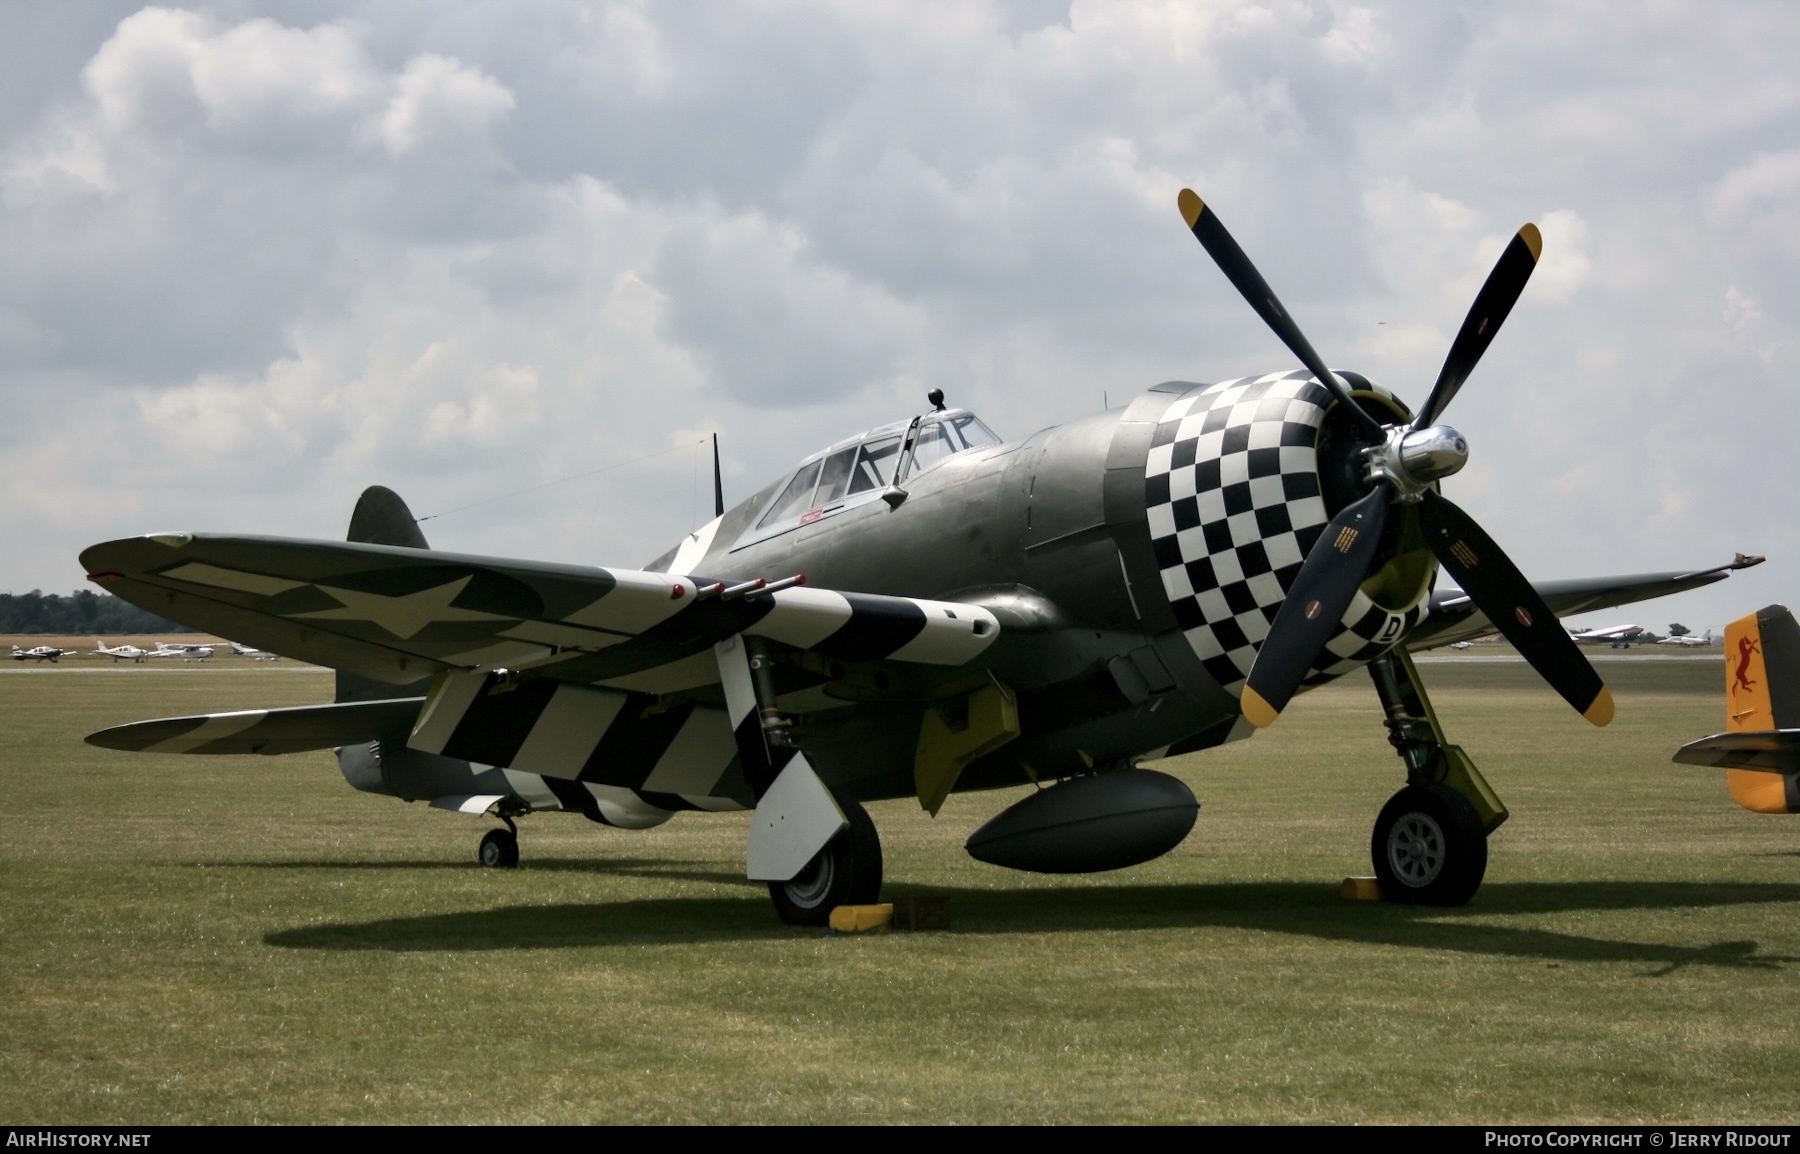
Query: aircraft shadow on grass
point(1304, 910)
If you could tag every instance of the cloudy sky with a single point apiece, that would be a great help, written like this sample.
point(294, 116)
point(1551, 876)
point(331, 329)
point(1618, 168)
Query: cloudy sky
point(255, 257)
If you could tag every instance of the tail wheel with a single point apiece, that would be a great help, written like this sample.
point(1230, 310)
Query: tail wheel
point(846, 872)
point(499, 849)
point(1429, 847)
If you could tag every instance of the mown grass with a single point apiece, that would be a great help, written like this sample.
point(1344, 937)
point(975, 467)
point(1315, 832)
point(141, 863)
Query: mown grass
point(246, 939)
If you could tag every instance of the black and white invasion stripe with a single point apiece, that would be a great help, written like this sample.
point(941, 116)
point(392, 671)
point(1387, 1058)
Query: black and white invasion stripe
point(621, 749)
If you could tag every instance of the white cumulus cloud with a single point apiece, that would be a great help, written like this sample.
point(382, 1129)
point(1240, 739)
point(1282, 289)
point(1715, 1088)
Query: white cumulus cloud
point(269, 257)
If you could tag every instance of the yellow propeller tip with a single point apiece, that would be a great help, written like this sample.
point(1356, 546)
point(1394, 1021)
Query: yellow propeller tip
point(1601, 711)
point(1191, 206)
point(1261, 713)
point(1534, 240)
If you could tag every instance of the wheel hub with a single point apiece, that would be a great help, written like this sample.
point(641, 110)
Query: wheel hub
point(1416, 850)
point(811, 885)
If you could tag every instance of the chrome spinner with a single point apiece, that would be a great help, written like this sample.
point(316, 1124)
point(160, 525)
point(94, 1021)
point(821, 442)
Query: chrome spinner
point(1410, 459)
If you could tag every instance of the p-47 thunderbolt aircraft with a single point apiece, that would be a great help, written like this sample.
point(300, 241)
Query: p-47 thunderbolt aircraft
point(925, 609)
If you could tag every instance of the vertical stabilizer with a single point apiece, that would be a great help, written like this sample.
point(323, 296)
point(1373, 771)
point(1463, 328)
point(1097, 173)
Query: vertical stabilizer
point(381, 518)
point(1762, 693)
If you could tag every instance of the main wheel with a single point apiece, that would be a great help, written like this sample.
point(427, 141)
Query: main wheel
point(847, 872)
point(499, 849)
point(1429, 847)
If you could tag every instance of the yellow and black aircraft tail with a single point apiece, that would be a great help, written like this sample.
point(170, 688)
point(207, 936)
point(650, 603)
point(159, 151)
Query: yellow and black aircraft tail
point(1760, 748)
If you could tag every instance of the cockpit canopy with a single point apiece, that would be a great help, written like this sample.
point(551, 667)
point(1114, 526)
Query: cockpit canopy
point(858, 469)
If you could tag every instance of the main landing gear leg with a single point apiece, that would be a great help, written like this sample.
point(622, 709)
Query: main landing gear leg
point(500, 848)
point(1430, 841)
point(847, 872)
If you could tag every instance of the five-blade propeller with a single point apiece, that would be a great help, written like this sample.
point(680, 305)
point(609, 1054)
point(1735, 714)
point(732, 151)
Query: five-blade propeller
point(1401, 466)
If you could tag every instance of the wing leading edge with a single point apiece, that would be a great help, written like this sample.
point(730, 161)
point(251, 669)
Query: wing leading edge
point(398, 614)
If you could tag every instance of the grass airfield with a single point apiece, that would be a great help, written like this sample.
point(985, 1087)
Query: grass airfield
point(196, 939)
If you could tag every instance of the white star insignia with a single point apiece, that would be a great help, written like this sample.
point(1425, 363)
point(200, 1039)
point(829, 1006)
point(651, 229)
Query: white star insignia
point(405, 615)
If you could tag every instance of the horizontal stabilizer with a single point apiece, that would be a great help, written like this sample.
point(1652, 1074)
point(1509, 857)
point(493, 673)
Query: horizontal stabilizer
point(266, 731)
point(1772, 750)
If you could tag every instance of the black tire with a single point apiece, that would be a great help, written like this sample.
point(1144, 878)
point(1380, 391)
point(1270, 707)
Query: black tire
point(1429, 847)
point(847, 872)
point(499, 850)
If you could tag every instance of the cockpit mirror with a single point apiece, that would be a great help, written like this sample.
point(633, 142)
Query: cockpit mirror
point(894, 494)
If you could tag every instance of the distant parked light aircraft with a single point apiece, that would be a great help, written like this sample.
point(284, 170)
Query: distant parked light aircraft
point(1686, 638)
point(185, 652)
point(48, 653)
point(1617, 636)
point(259, 654)
point(122, 652)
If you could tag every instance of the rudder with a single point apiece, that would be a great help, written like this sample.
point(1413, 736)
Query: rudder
point(1762, 693)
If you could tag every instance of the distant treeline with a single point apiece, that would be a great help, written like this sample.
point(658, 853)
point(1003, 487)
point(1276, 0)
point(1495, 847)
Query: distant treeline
point(82, 611)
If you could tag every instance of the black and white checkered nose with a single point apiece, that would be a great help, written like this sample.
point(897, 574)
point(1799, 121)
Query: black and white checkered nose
point(1232, 492)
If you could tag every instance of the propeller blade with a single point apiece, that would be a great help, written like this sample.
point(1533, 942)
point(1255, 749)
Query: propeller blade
point(1500, 591)
point(1243, 275)
point(1486, 315)
point(1338, 563)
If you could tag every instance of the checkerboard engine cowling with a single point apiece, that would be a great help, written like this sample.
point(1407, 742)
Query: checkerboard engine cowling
point(1232, 491)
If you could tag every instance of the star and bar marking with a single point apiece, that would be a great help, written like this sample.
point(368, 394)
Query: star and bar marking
point(403, 616)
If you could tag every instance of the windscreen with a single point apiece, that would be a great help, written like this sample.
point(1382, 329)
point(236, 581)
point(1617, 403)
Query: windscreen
point(875, 465)
point(933, 446)
point(947, 437)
